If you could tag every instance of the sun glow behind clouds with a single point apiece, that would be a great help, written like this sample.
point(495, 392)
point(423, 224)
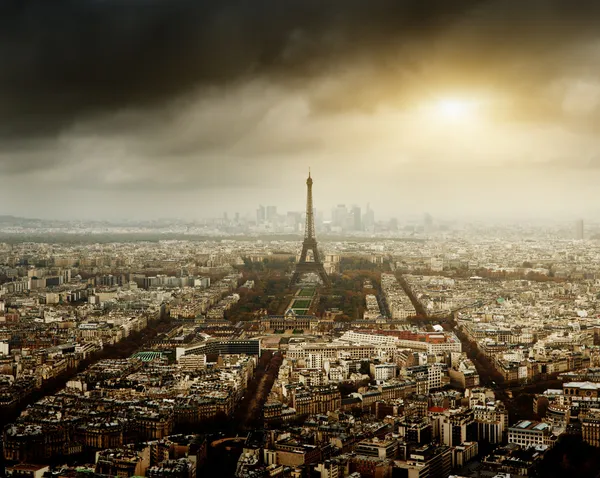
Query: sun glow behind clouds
point(448, 110)
point(456, 108)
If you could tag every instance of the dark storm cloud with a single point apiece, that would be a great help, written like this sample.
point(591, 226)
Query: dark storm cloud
point(125, 69)
point(61, 60)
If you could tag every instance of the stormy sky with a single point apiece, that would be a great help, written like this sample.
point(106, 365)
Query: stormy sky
point(188, 108)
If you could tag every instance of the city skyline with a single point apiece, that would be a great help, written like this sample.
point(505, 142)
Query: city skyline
point(324, 216)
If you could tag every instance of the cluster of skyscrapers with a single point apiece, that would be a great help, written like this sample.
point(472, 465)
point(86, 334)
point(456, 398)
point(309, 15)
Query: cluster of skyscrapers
point(343, 218)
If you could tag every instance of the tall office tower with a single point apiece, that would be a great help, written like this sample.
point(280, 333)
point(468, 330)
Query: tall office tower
point(356, 218)
point(369, 220)
point(293, 220)
point(318, 219)
point(271, 213)
point(579, 230)
point(339, 215)
point(260, 214)
point(427, 222)
point(310, 244)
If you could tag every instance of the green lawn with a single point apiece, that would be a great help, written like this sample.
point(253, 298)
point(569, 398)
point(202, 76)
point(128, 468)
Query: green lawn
point(306, 292)
point(301, 304)
point(300, 311)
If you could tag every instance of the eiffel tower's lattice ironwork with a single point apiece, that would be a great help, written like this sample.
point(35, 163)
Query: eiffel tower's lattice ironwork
point(310, 244)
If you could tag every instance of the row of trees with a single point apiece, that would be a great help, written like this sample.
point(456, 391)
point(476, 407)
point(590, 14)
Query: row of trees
point(270, 293)
point(347, 293)
point(248, 414)
point(485, 368)
point(281, 265)
point(360, 264)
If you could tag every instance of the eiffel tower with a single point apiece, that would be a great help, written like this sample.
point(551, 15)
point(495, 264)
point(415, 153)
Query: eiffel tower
point(310, 244)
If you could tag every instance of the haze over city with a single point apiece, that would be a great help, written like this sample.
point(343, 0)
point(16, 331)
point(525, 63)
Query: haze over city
point(187, 109)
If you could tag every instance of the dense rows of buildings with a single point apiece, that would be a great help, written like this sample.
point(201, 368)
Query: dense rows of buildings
point(389, 393)
point(120, 402)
